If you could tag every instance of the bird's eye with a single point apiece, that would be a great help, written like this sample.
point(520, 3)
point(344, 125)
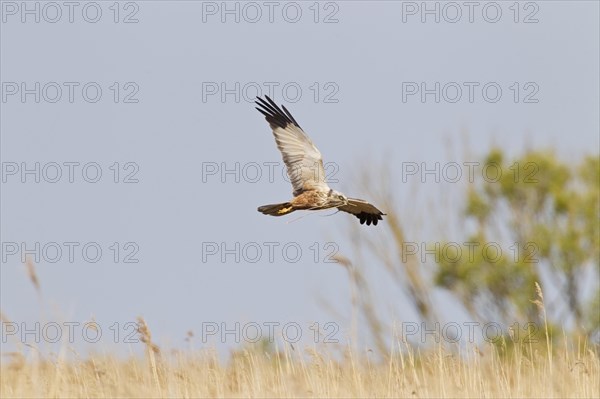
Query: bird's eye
point(341, 197)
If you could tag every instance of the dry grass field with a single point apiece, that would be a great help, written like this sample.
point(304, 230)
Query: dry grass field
point(553, 367)
point(488, 371)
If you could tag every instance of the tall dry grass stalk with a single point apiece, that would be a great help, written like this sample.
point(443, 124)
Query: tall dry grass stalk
point(539, 303)
point(31, 273)
point(152, 350)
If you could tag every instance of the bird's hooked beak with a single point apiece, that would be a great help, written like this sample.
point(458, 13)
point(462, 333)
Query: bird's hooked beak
point(337, 198)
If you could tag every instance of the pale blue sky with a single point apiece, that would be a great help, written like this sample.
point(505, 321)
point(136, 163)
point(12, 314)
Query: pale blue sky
point(170, 54)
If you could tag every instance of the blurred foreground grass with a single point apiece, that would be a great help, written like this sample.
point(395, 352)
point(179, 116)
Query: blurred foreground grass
point(518, 371)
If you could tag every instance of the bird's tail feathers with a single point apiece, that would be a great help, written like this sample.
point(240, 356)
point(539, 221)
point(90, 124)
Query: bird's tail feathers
point(277, 209)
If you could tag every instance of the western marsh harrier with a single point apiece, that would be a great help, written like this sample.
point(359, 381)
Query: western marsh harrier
point(305, 169)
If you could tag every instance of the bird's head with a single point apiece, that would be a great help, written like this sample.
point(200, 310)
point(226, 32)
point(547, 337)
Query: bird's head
point(338, 198)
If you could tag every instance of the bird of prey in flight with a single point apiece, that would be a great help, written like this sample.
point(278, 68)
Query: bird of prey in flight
point(305, 170)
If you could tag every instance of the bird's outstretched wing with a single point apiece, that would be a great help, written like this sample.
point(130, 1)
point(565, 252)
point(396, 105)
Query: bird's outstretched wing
point(301, 157)
point(363, 210)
